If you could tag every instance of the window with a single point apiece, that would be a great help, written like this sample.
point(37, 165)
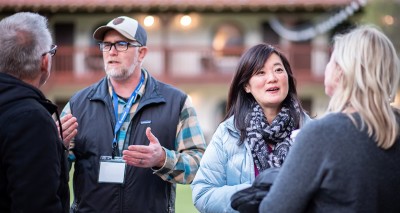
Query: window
point(269, 35)
point(94, 57)
point(64, 39)
point(228, 40)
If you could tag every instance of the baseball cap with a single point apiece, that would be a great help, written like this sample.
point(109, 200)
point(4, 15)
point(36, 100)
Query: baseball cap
point(128, 27)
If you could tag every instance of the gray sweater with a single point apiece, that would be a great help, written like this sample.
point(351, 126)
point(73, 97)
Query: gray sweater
point(333, 167)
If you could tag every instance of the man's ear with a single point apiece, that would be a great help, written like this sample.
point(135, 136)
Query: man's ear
point(45, 67)
point(142, 53)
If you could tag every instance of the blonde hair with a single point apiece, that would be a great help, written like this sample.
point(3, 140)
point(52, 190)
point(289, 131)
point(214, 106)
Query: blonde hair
point(369, 81)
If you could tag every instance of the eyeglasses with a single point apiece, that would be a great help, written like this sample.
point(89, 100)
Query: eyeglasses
point(120, 46)
point(52, 50)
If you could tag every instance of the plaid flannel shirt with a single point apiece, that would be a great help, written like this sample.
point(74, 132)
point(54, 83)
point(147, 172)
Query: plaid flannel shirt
point(189, 141)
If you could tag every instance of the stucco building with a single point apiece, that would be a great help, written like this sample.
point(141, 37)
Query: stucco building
point(195, 44)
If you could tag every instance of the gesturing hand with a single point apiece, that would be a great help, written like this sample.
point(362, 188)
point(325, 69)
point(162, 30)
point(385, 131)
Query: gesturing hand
point(144, 156)
point(69, 126)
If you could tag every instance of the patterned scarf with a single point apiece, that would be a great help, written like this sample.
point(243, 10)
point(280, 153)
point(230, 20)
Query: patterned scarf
point(259, 134)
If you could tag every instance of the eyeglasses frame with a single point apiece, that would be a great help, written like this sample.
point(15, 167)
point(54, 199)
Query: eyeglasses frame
point(52, 51)
point(128, 44)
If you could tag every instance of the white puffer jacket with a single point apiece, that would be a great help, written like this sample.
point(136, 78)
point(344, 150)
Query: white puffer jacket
point(224, 169)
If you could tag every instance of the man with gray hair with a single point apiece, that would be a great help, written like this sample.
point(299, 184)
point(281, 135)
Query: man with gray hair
point(33, 164)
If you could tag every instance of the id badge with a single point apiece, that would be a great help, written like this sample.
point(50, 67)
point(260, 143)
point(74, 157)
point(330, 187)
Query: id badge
point(112, 170)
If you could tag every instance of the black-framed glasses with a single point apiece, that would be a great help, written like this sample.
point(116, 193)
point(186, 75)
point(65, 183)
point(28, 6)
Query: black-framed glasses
point(52, 50)
point(120, 46)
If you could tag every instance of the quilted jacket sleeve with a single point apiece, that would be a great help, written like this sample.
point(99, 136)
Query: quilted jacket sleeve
point(212, 191)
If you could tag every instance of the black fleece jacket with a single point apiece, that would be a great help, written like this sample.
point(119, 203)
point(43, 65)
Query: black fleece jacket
point(33, 165)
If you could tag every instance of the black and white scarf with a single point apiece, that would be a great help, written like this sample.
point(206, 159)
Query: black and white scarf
point(259, 134)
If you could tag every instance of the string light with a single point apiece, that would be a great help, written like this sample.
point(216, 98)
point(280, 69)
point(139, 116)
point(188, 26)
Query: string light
point(186, 20)
point(148, 21)
point(320, 28)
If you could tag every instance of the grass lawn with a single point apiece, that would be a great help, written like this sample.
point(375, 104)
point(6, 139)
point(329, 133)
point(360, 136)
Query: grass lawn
point(183, 203)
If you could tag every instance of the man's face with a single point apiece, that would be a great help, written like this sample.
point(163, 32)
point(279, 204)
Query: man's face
point(120, 65)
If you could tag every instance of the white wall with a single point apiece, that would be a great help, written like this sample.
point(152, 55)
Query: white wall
point(206, 97)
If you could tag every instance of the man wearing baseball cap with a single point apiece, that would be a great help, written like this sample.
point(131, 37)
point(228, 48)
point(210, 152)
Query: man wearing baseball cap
point(137, 137)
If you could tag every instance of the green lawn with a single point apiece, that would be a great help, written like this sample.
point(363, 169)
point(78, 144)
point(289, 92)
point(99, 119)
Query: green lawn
point(183, 202)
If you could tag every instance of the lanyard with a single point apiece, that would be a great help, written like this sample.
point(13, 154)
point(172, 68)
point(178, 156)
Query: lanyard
point(125, 111)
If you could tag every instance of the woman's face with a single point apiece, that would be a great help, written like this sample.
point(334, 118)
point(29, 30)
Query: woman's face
point(269, 86)
point(331, 77)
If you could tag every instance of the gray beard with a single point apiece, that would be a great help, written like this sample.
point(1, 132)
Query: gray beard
point(121, 74)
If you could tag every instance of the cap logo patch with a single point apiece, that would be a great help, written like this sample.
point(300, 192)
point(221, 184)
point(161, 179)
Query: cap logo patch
point(118, 21)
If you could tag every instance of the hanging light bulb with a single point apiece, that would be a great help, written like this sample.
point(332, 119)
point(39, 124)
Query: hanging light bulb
point(186, 20)
point(148, 21)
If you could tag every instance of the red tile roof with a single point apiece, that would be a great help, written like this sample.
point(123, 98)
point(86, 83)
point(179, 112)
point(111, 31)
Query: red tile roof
point(182, 5)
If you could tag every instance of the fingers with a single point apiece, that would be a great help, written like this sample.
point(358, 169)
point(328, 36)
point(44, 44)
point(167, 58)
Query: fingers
point(151, 137)
point(69, 125)
point(135, 153)
point(66, 117)
point(138, 151)
point(70, 136)
point(69, 122)
point(152, 155)
point(135, 158)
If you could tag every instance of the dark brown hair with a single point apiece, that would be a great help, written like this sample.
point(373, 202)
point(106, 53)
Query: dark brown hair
point(240, 103)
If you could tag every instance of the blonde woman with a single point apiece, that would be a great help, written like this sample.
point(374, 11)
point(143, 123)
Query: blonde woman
point(348, 161)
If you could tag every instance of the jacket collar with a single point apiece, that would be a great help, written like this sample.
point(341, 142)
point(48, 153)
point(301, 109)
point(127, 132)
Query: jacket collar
point(152, 92)
point(14, 89)
point(230, 125)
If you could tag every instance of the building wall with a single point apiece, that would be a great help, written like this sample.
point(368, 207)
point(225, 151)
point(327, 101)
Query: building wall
point(207, 98)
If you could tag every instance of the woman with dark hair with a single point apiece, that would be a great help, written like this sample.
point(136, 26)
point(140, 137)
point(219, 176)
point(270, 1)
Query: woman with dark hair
point(263, 109)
